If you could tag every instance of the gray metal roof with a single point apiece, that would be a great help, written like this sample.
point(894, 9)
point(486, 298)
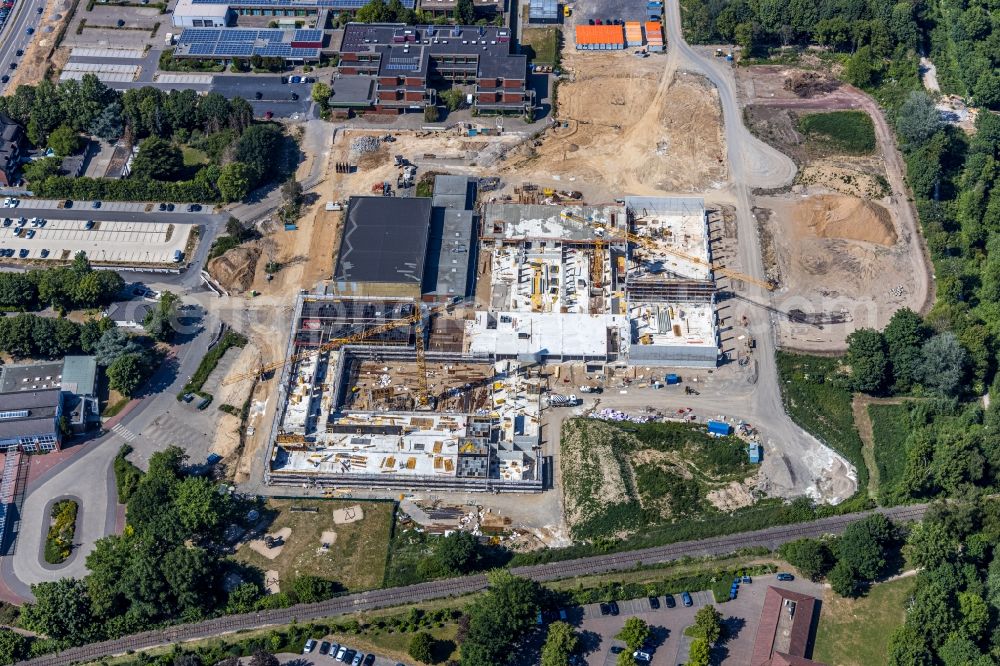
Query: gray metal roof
point(384, 240)
point(129, 311)
point(456, 192)
point(31, 376)
point(42, 408)
point(451, 252)
point(79, 374)
point(353, 91)
point(547, 10)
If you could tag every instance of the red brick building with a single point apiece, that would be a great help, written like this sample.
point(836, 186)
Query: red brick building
point(784, 630)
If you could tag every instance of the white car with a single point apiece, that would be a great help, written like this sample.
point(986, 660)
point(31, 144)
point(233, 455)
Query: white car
point(639, 655)
point(309, 646)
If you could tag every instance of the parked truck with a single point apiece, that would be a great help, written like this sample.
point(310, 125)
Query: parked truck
point(558, 400)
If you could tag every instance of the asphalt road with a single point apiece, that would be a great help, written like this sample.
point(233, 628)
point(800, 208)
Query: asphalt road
point(13, 37)
point(771, 538)
point(111, 212)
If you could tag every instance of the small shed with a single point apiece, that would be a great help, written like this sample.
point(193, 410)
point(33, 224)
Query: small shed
point(755, 453)
point(719, 428)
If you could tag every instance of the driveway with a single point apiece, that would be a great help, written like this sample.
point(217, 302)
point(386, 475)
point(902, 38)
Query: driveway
point(667, 624)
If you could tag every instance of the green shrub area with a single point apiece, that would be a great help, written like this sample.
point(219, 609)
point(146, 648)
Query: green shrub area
point(211, 359)
point(127, 475)
point(890, 429)
point(59, 541)
point(625, 477)
point(817, 398)
point(850, 132)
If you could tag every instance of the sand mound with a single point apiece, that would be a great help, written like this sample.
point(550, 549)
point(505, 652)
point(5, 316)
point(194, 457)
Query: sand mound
point(234, 270)
point(848, 218)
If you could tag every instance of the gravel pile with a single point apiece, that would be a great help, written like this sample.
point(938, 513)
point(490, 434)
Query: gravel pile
point(365, 144)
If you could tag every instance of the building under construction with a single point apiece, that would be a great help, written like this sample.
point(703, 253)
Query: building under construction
point(414, 389)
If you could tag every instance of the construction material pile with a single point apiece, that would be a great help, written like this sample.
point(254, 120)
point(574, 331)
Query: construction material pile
point(609, 414)
point(365, 144)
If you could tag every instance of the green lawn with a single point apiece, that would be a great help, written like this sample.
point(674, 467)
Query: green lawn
point(855, 632)
point(541, 45)
point(817, 402)
point(890, 428)
point(193, 157)
point(849, 132)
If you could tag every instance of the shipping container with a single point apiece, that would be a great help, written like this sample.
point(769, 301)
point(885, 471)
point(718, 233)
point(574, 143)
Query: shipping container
point(719, 428)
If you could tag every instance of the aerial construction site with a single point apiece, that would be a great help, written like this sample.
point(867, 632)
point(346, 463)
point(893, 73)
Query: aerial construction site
point(425, 363)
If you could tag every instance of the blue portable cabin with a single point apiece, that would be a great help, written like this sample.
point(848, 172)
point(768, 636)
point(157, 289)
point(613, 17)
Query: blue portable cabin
point(719, 428)
point(672, 379)
point(755, 453)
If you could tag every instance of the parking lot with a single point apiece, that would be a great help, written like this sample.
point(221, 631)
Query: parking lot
point(115, 242)
point(316, 659)
point(667, 625)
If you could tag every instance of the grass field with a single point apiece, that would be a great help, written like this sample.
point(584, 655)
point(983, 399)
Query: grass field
point(541, 45)
point(357, 557)
point(819, 404)
point(849, 132)
point(193, 156)
point(855, 632)
point(890, 428)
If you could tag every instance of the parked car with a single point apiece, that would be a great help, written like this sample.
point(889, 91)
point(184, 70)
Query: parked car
point(642, 657)
point(654, 603)
point(162, 207)
point(31, 233)
point(295, 97)
point(13, 65)
point(686, 599)
point(29, 31)
point(333, 650)
point(295, 79)
point(785, 576)
point(89, 225)
point(194, 208)
point(4, 78)
point(324, 647)
point(341, 652)
point(309, 646)
point(68, 203)
point(95, 204)
point(357, 659)
point(605, 609)
point(669, 600)
point(617, 649)
point(188, 397)
point(23, 253)
point(268, 115)
point(349, 656)
point(613, 605)
point(258, 95)
point(369, 660)
point(170, 208)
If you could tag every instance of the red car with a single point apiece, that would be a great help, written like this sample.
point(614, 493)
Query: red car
point(268, 115)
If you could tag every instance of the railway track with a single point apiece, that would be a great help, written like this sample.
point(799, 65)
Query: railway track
point(770, 537)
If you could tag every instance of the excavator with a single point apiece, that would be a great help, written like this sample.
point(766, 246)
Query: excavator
point(654, 246)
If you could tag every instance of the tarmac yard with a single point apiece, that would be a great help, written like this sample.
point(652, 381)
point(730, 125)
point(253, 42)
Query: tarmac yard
point(106, 242)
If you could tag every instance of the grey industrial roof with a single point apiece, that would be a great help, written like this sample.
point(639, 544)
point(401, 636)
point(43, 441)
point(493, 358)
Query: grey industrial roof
point(384, 240)
point(42, 407)
point(31, 376)
point(456, 192)
point(546, 10)
point(451, 251)
point(352, 91)
point(129, 311)
point(79, 374)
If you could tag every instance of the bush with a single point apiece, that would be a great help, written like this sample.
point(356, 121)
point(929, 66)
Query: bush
point(848, 131)
point(59, 542)
point(431, 114)
point(127, 475)
point(421, 647)
point(211, 359)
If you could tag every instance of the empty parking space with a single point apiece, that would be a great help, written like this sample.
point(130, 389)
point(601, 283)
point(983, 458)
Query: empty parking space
point(106, 72)
point(114, 242)
point(190, 79)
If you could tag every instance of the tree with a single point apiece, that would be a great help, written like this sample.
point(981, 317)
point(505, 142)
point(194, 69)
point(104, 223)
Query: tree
point(930, 545)
point(64, 141)
point(259, 147)
point(200, 507)
point(811, 557)
point(904, 335)
point(13, 646)
point(263, 658)
point(37, 171)
point(291, 192)
point(235, 181)
point(907, 647)
point(188, 572)
point(373, 12)
point(113, 344)
point(866, 354)
point(465, 12)
point(458, 552)
point(634, 633)
point(108, 123)
point(560, 643)
point(158, 160)
point(431, 114)
point(844, 579)
point(159, 322)
point(864, 543)
point(699, 653)
point(310, 589)
point(708, 624)
point(61, 611)
point(861, 68)
point(499, 618)
point(625, 658)
point(918, 120)
point(126, 373)
point(243, 598)
point(452, 98)
point(421, 647)
point(321, 93)
point(943, 364)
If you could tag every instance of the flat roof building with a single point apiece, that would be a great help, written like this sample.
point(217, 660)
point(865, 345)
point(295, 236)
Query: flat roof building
point(189, 14)
point(29, 420)
point(543, 11)
point(404, 58)
point(383, 247)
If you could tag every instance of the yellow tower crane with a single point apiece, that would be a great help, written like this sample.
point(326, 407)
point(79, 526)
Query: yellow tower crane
point(653, 245)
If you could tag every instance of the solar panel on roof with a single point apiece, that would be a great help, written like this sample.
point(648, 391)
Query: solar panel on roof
point(335, 4)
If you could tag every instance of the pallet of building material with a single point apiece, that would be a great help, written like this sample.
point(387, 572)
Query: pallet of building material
point(411, 463)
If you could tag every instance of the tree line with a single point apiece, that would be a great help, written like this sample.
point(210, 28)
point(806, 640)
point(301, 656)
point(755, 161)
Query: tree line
point(242, 154)
point(74, 287)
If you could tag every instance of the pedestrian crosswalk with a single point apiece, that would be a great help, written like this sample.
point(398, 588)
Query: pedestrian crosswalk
point(124, 432)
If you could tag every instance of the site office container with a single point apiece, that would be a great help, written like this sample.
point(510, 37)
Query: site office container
point(720, 428)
